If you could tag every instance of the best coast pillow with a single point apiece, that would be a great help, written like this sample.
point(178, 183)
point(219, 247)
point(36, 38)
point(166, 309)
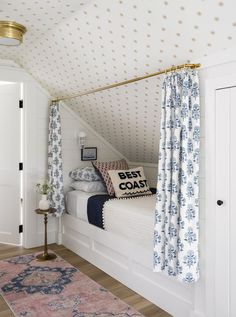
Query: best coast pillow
point(89, 187)
point(88, 174)
point(129, 183)
point(104, 167)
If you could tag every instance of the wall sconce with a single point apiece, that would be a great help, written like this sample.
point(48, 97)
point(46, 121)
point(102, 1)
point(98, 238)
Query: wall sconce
point(82, 138)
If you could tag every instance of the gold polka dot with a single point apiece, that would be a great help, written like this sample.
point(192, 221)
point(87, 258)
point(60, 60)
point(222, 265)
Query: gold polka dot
point(199, 13)
point(216, 18)
point(234, 23)
point(229, 37)
point(221, 4)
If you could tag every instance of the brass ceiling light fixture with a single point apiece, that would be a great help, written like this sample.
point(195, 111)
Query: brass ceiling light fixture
point(11, 33)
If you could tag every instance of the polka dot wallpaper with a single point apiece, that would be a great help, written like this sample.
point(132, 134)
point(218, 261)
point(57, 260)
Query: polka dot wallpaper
point(72, 46)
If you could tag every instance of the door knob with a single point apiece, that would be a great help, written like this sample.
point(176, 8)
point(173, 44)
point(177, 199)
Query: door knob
point(219, 202)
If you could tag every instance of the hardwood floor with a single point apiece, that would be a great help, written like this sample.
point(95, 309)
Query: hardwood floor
point(130, 297)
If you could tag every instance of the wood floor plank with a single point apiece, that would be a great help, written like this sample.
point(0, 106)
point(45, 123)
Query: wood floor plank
point(127, 295)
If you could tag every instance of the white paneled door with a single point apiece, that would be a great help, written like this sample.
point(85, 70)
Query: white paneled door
point(10, 145)
point(225, 264)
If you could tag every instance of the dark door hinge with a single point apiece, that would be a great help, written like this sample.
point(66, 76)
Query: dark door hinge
point(20, 166)
point(21, 103)
point(20, 228)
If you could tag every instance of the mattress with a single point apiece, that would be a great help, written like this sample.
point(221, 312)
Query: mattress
point(132, 218)
point(76, 203)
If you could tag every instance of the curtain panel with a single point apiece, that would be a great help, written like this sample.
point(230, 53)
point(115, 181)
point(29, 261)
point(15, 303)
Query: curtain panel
point(55, 166)
point(176, 231)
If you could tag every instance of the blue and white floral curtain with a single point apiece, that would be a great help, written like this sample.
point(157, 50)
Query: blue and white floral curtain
point(176, 230)
point(55, 169)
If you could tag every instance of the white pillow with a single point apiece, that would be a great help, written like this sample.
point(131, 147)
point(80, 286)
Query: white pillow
point(89, 187)
point(129, 183)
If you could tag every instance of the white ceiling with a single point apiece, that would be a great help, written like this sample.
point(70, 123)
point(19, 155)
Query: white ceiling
point(72, 46)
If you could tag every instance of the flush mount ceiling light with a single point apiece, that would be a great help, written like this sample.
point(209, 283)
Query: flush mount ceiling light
point(11, 33)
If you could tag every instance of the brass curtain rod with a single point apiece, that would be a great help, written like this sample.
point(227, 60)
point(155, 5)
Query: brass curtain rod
point(164, 71)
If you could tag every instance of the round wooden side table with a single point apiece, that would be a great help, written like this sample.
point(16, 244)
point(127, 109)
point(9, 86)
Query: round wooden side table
point(45, 256)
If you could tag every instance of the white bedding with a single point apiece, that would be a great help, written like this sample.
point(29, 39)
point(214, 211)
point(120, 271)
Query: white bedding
point(76, 203)
point(132, 218)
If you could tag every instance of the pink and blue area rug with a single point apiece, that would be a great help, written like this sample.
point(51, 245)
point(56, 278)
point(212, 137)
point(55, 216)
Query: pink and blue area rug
point(54, 289)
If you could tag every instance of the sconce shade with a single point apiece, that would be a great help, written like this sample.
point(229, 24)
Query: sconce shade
point(82, 137)
point(11, 33)
point(82, 134)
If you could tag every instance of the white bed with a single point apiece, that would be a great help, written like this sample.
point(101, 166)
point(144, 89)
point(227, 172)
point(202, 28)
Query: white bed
point(125, 249)
point(137, 214)
point(131, 218)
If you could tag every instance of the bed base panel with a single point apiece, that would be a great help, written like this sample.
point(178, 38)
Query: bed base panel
point(128, 263)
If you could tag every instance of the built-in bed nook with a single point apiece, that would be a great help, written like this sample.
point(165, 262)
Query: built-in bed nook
point(117, 130)
point(144, 236)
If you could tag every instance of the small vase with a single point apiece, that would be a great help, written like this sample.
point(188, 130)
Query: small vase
point(44, 203)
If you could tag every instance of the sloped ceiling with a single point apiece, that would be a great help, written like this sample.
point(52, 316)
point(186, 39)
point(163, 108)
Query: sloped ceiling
point(72, 46)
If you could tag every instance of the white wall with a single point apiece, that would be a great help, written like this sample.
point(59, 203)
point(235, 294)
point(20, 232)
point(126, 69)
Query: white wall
point(150, 171)
point(72, 124)
point(36, 110)
point(35, 113)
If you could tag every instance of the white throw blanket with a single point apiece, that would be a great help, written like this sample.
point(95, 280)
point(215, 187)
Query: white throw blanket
point(132, 218)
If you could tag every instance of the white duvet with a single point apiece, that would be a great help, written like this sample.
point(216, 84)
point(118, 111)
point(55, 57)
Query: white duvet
point(132, 218)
